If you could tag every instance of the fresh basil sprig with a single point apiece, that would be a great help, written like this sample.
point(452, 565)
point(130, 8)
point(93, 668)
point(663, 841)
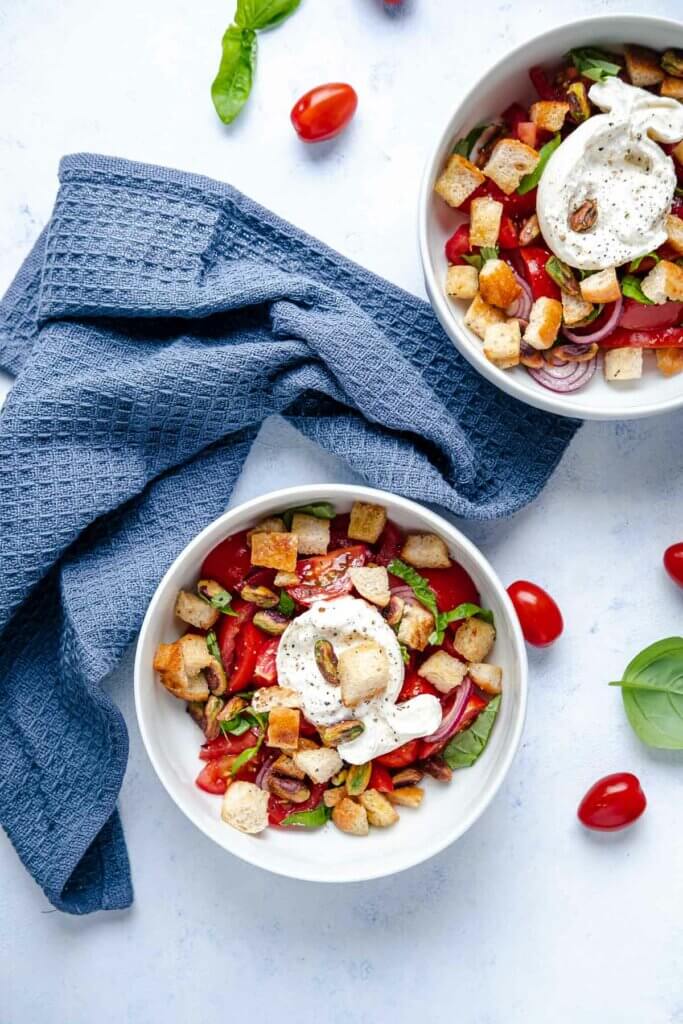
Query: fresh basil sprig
point(563, 275)
point(593, 63)
point(530, 181)
point(652, 692)
point(474, 259)
point(631, 288)
point(426, 596)
point(464, 146)
point(286, 604)
point(489, 252)
point(319, 509)
point(212, 644)
point(320, 815)
point(467, 746)
point(466, 610)
point(244, 720)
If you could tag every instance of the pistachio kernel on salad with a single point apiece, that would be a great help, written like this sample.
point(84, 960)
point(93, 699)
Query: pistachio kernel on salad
point(573, 247)
point(328, 686)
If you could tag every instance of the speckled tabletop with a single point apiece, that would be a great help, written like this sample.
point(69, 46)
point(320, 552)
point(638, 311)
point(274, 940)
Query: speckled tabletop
point(527, 919)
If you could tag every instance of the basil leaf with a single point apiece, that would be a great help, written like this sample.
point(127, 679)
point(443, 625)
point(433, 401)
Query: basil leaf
point(212, 644)
point(467, 610)
point(319, 509)
point(630, 287)
point(418, 584)
point(464, 146)
point(286, 605)
point(259, 717)
point(465, 747)
point(264, 14)
point(489, 252)
point(563, 275)
point(222, 601)
point(242, 758)
point(530, 181)
point(635, 264)
point(309, 819)
point(232, 85)
point(474, 260)
point(235, 726)
point(652, 692)
point(593, 63)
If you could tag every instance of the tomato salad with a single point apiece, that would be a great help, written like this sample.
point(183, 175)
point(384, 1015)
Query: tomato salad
point(573, 241)
point(332, 661)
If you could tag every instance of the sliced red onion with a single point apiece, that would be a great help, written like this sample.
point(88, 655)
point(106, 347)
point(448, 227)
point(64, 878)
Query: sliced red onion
point(451, 718)
point(602, 332)
point(265, 771)
point(405, 592)
point(564, 377)
point(520, 309)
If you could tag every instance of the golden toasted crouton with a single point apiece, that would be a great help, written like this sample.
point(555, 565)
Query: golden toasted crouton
point(271, 525)
point(380, 812)
point(286, 579)
point(416, 626)
point(274, 550)
point(480, 315)
point(320, 764)
point(372, 583)
point(574, 309)
point(474, 639)
point(487, 677)
point(187, 670)
point(544, 323)
point(283, 728)
point(674, 231)
point(670, 361)
point(443, 671)
point(351, 817)
point(270, 697)
point(195, 610)
point(425, 551)
point(485, 217)
point(462, 282)
point(331, 797)
point(549, 114)
point(498, 284)
point(509, 162)
point(642, 66)
point(367, 521)
point(502, 344)
point(458, 181)
point(406, 796)
point(245, 807)
point(677, 152)
point(664, 283)
point(601, 287)
point(313, 534)
point(363, 672)
point(672, 87)
point(623, 364)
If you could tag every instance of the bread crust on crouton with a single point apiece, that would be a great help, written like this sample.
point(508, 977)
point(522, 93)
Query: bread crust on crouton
point(425, 551)
point(267, 698)
point(544, 323)
point(363, 672)
point(498, 284)
point(674, 231)
point(320, 764)
point(485, 218)
point(245, 807)
point(416, 626)
point(601, 287)
point(406, 796)
point(669, 361)
point(672, 87)
point(462, 282)
point(195, 610)
point(283, 728)
point(313, 534)
point(351, 817)
point(642, 66)
point(274, 551)
point(623, 364)
point(380, 812)
point(502, 344)
point(372, 583)
point(509, 162)
point(574, 309)
point(487, 677)
point(443, 671)
point(183, 667)
point(474, 639)
point(459, 179)
point(367, 521)
point(480, 315)
point(664, 283)
point(273, 524)
point(549, 114)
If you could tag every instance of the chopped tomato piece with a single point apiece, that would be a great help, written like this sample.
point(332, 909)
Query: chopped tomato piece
point(380, 779)
point(339, 532)
point(228, 629)
point(534, 259)
point(414, 685)
point(660, 337)
point(390, 544)
point(527, 132)
point(326, 576)
point(265, 669)
point(229, 562)
point(213, 778)
point(637, 316)
point(401, 757)
point(475, 705)
point(514, 115)
point(227, 744)
point(458, 244)
point(508, 236)
point(542, 84)
point(248, 645)
point(452, 586)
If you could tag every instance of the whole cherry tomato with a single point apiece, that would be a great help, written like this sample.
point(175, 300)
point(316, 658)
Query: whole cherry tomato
point(673, 562)
point(612, 803)
point(322, 113)
point(539, 616)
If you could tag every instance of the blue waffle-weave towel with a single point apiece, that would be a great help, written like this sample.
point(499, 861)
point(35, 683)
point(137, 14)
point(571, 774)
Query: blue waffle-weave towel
point(159, 319)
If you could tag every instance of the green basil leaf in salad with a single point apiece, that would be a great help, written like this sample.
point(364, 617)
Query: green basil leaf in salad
point(212, 644)
point(235, 726)
point(489, 252)
point(474, 259)
point(593, 63)
point(635, 264)
point(464, 146)
point(426, 596)
point(630, 287)
point(563, 275)
point(241, 759)
point(319, 509)
point(320, 815)
point(286, 604)
point(467, 746)
point(232, 85)
point(652, 692)
point(467, 610)
point(530, 181)
point(264, 14)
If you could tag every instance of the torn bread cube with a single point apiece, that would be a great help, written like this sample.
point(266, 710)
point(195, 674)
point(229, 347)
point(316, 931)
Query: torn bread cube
point(274, 550)
point(312, 533)
point(363, 672)
point(498, 284)
point(351, 817)
point(245, 807)
point(271, 525)
point(670, 361)
point(416, 626)
point(462, 282)
point(267, 698)
point(502, 344)
point(643, 66)
point(406, 796)
point(286, 579)
point(283, 728)
point(367, 521)
point(380, 812)
point(544, 324)
point(601, 287)
point(425, 551)
point(574, 309)
point(474, 639)
point(674, 231)
point(664, 283)
point(509, 162)
point(672, 87)
point(443, 671)
point(488, 678)
point(320, 764)
point(458, 181)
point(480, 315)
point(372, 583)
point(485, 217)
point(195, 610)
point(623, 364)
point(549, 114)
point(188, 670)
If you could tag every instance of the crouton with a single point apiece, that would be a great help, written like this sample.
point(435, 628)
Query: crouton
point(416, 626)
point(274, 550)
point(549, 114)
point(245, 807)
point(380, 812)
point(372, 583)
point(474, 639)
point(574, 309)
point(485, 217)
point(670, 361)
point(351, 817)
point(623, 364)
point(462, 282)
point(283, 728)
point(313, 534)
point(601, 287)
point(498, 284)
point(270, 697)
point(367, 522)
point(187, 670)
point(271, 525)
point(487, 677)
point(406, 796)
point(677, 152)
point(672, 87)
point(544, 323)
point(320, 765)
point(443, 671)
point(286, 579)
point(331, 797)
point(664, 283)
point(425, 551)
point(642, 66)
point(459, 180)
point(480, 315)
point(674, 232)
point(284, 765)
point(195, 610)
point(509, 162)
point(502, 344)
point(363, 672)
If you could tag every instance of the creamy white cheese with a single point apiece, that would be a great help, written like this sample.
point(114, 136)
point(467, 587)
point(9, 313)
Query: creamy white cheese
point(344, 622)
point(611, 158)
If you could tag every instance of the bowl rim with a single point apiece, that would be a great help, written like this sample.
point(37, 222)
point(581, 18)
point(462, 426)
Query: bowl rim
point(538, 397)
point(458, 541)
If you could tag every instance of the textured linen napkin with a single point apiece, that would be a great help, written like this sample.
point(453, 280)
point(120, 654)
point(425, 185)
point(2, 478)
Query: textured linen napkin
point(159, 319)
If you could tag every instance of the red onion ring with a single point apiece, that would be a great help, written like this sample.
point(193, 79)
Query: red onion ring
point(265, 771)
point(451, 718)
point(405, 592)
point(564, 377)
point(602, 332)
point(520, 309)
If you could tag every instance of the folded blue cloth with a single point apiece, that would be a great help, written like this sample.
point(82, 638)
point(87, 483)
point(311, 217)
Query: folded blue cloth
point(159, 319)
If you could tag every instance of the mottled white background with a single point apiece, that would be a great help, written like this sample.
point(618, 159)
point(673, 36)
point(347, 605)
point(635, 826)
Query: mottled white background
point(527, 919)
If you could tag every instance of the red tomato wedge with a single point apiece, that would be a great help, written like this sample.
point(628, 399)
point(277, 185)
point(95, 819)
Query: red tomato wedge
point(401, 757)
point(229, 562)
point(658, 337)
point(227, 744)
point(413, 686)
point(326, 576)
point(380, 779)
point(534, 259)
point(248, 644)
point(228, 629)
point(452, 586)
point(265, 669)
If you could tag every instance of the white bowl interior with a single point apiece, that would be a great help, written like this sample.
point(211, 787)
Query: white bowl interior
point(172, 739)
point(505, 82)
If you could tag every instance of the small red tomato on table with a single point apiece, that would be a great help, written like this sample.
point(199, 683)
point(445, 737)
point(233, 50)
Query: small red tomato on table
point(673, 562)
point(323, 112)
point(538, 614)
point(612, 803)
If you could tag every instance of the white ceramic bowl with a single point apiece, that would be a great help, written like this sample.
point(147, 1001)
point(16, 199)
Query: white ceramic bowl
point(172, 740)
point(504, 82)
